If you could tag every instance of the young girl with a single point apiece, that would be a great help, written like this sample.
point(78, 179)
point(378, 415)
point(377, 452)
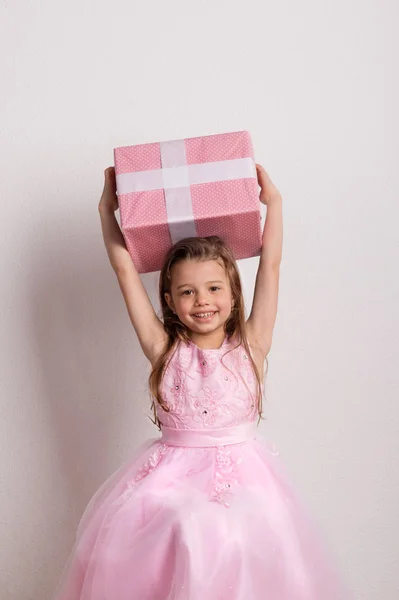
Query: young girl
point(204, 511)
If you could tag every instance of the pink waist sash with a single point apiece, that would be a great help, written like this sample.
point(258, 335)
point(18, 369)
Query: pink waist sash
point(237, 434)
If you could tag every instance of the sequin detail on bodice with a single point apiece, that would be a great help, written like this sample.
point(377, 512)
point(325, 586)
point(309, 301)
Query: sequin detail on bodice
point(208, 388)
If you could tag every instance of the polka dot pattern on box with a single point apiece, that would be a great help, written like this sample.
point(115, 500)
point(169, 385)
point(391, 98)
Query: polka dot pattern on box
point(226, 146)
point(144, 157)
point(217, 212)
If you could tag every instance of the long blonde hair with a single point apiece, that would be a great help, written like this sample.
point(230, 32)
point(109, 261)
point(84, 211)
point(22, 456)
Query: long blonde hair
point(201, 249)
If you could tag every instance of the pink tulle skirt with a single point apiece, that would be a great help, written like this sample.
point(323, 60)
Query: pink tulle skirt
point(198, 523)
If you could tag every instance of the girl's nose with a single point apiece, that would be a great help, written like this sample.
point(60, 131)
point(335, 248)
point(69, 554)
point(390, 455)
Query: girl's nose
point(201, 300)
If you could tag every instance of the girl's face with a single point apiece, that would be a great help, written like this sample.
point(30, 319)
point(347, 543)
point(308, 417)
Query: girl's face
point(200, 295)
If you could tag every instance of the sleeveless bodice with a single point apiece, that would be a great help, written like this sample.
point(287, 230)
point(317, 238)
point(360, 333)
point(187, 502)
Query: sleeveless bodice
point(208, 388)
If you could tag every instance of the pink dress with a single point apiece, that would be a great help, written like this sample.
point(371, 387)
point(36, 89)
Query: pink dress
point(203, 512)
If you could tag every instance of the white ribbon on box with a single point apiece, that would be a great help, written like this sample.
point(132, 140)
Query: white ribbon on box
point(175, 178)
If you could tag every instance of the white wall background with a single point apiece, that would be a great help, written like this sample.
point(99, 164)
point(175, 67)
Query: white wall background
point(316, 85)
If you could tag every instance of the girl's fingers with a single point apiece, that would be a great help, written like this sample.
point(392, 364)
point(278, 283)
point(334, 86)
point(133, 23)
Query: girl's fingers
point(109, 173)
point(263, 176)
point(109, 178)
point(268, 189)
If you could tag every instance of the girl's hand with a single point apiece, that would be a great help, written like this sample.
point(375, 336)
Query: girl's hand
point(109, 199)
point(268, 191)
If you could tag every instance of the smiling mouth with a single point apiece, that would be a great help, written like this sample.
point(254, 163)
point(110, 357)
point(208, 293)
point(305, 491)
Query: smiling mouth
point(205, 316)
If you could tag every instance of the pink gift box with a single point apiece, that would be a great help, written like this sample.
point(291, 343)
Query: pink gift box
point(193, 187)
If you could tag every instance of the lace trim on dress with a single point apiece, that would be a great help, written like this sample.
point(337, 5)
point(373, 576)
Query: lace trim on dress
point(151, 464)
point(225, 475)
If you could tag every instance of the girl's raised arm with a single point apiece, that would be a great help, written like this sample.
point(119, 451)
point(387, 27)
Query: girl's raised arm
point(148, 327)
point(260, 323)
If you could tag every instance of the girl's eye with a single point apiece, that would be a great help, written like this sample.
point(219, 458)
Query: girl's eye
point(213, 287)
